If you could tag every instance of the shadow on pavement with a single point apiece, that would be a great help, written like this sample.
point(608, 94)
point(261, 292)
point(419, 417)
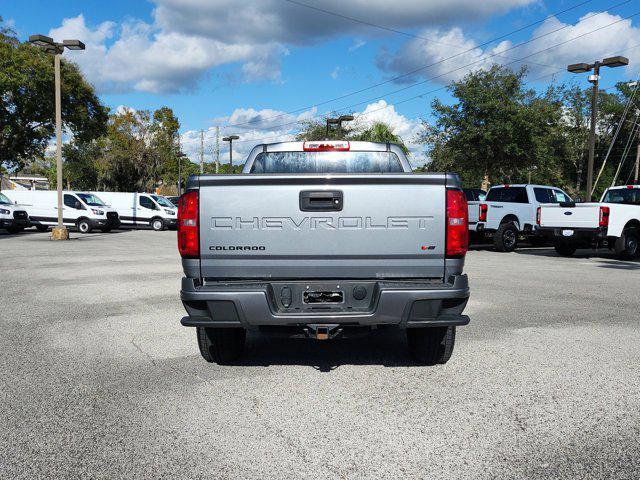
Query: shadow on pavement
point(387, 348)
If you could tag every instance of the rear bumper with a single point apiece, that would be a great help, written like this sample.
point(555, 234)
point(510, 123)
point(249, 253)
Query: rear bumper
point(575, 235)
point(402, 304)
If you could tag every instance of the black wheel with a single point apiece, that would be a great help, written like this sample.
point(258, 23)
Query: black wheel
point(157, 224)
point(84, 226)
point(221, 345)
point(564, 249)
point(537, 241)
point(506, 238)
point(14, 230)
point(42, 228)
point(431, 346)
point(627, 246)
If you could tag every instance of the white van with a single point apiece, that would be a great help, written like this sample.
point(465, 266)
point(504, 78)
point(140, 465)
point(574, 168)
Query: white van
point(142, 209)
point(13, 218)
point(82, 210)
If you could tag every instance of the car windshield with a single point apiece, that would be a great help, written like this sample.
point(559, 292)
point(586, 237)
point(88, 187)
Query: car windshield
point(326, 162)
point(91, 200)
point(627, 196)
point(163, 201)
point(4, 200)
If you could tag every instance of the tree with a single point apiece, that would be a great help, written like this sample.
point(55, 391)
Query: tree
point(497, 130)
point(356, 131)
point(313, 130)
point(27, 103)
point(380, 132)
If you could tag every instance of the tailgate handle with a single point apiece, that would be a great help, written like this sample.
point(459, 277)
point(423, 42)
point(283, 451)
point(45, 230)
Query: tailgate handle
point(320, 200)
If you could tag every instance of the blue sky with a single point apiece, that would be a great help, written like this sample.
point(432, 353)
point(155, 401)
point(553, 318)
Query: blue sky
point(247, 63)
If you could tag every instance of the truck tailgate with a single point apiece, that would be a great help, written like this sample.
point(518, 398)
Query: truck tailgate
point(582, 215)
point(322, 226)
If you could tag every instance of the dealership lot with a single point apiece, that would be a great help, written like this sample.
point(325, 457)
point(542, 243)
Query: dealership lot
point(99, 379)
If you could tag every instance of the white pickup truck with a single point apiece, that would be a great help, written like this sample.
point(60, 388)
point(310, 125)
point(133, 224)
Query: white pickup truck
point(509, 213)
point(612, 223)
point(474, 197)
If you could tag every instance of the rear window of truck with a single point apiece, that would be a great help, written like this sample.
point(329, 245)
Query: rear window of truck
point(508, 194)
point(626, 196)
point(327, 162)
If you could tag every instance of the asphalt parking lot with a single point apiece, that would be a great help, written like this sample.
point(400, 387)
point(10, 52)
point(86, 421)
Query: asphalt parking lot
point(98, 379)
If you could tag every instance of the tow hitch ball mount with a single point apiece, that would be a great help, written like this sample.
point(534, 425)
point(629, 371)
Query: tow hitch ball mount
point(323, 331)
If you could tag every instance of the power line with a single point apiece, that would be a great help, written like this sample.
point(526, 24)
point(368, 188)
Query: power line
point(413, 72)
point(447, 73)
point(428, 39)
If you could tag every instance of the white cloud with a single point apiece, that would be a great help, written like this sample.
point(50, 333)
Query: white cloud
point(188, 38)
point(334, 73)
point(416, 54)
point(357, 44)
point(406, 128)
point(286, 22)
point(617, 39)
point(271, 126)
point(144, 59)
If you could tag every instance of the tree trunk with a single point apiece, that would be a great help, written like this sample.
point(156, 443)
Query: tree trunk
point(485, 182)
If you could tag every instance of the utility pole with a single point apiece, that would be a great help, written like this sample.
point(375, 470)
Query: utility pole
point(217, 149)
point(594, 79)
point(635, 176)
point(201, 152)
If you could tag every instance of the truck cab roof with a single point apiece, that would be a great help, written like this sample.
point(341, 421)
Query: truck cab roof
point(326, 147)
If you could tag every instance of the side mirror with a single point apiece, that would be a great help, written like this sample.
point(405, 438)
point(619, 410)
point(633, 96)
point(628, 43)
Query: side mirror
point(578, 199)
point(78, 206)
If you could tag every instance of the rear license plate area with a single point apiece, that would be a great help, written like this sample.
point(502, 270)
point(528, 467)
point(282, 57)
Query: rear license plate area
point(323, 297)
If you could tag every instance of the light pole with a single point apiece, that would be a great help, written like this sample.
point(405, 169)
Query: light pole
point(230, 139)
point(330, 121)
point(180, 155)
point(338, 121)
point(56, 49)
point(594, 79)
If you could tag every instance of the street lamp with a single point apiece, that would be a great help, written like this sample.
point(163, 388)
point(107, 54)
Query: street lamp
point(338, 121)
point(56, 49)
point(594, 79)
point(230, 139)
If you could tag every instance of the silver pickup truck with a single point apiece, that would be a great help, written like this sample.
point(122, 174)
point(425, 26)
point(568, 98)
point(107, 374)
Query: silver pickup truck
point(324, 239)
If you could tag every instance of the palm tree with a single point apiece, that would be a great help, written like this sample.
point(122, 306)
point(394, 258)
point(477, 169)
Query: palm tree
point(380, 132)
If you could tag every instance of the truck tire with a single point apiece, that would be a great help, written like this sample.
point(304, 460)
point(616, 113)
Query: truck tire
point(84, 226)
point(157, 224)
point(431, 346)
point(13, 230)
point(42, 228)
point(221, 345)
point(506, 238)
point(564, 249)
point(627, 245)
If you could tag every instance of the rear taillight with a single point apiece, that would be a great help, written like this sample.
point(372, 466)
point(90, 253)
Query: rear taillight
point(604, 217)
point(457, 219)
point(188, 237)
point(482, 215)
point(538, 215)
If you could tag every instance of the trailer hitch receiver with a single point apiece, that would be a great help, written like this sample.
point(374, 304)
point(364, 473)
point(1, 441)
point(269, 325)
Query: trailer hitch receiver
point(323, 331)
